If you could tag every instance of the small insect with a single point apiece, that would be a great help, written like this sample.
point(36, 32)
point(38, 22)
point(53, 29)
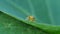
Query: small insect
point(31, 18)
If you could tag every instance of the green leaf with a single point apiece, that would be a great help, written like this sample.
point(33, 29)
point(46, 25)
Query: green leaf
point(46, 13)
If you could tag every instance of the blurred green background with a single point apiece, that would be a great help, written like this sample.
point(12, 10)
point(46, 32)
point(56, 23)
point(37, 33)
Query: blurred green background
point(13, 15)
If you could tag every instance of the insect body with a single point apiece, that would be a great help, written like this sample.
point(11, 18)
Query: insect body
point(31, 18)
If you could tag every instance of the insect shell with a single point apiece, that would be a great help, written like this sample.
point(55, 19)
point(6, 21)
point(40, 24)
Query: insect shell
point(31, 18)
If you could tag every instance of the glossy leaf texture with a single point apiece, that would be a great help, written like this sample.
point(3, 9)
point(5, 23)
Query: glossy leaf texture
point(46, 12)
